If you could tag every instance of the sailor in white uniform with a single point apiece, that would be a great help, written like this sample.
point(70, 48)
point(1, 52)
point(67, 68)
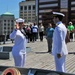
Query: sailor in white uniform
point(19, 48)
point(59, 47)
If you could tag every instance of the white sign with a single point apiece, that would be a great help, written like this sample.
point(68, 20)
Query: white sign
point(63, 3)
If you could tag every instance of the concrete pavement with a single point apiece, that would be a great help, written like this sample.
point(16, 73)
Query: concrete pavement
point(39, 58)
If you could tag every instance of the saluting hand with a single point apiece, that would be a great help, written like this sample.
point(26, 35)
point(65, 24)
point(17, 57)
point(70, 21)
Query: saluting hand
point(17, 26)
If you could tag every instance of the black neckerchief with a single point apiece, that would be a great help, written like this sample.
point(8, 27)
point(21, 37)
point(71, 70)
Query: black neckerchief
point(23, 32)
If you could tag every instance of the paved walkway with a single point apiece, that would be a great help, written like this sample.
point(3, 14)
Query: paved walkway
point(41, 59)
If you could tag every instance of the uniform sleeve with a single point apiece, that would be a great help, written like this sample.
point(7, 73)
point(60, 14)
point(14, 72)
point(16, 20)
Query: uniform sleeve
point(13, 34)
point(59, 40)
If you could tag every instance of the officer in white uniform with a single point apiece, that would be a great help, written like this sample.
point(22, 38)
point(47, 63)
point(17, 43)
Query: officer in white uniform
point(19, 48)
point(59, 48)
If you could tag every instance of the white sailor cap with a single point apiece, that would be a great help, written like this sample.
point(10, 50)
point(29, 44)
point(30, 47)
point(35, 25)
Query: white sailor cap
point(19, 20)
point(58, 13)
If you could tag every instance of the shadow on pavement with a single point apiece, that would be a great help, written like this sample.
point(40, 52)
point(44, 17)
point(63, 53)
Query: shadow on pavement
point(41, 52)
point(71, 53)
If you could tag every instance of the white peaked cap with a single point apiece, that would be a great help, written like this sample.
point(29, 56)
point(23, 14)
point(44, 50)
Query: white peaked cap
point(19, 20)
point(58, 13)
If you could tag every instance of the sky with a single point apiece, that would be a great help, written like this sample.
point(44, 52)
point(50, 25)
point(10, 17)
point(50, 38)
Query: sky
point(11, 6)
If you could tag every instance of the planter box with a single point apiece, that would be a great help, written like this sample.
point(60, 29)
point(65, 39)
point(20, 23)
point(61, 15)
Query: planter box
point(5, 52)
point(4, 55)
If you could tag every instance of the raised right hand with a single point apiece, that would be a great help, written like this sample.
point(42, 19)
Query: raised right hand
point(17, 26)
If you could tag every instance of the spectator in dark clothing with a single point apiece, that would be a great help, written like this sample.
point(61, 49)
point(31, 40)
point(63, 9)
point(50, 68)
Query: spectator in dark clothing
point(28, 32)
point(31, 34)
point(49, 36)
point(41, 31)
point(35, 32)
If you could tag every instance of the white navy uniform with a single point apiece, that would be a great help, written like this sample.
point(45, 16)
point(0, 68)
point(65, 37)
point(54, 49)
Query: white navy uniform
point(19, 48)
point(59, 46)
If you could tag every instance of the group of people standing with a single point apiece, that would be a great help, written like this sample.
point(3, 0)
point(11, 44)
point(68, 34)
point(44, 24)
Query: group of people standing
point(49, 36)
point(32, 31)
point(55, 39)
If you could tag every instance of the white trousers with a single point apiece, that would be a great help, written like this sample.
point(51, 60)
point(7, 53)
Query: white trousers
point(60, 63)
point(19, 60)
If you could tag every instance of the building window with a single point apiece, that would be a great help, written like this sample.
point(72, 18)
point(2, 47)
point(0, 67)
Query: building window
point(33, 7)
point(4, 20)
point(21, 14)
point(25, 20)
point(33, 20)
point(29, 17)
point(29, 11)
point(25, 11)
point(9, 24)
point(11, 20)
point(25, 7)
point(4, 27)
point(25, 17)
point(4, 32)
point(12, 24)
point(11, 28)
point(21, 7)
point(33, 11)
point(8, 27)
point(33, 17)
point(4, 24)
point(29, 7)
point(29, 20)
point(21, 11)
point(25, 14)
point(29, 14)
point(8, 20)
point(8, 32)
